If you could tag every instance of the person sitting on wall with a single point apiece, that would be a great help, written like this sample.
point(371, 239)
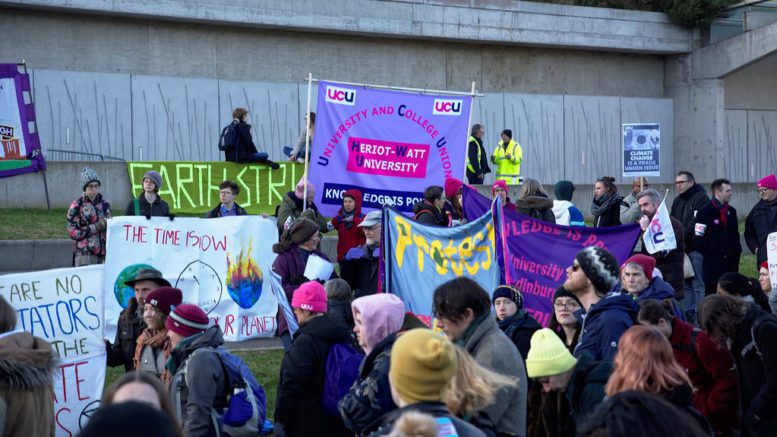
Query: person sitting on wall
point(245, 150)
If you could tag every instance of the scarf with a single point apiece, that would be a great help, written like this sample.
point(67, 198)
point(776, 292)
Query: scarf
point(156, 340)
point(462, 341)
point(344, 215)
point(604, 202)
point(722, 211)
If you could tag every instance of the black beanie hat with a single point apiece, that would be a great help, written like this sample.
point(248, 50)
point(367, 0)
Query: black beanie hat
point(508, 132)
point(509, 292)
point(563, 292)
point(564, 190)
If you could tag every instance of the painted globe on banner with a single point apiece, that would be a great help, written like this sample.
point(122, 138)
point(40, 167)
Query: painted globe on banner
point(122, 291)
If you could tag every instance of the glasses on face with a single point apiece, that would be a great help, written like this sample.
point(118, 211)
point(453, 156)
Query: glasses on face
point(679, 182)
point(225, 193)
point(93, 185)
point(762, 190)
point(569, 305)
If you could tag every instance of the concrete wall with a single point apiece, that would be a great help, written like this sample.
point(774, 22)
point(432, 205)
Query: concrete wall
point(753, 87)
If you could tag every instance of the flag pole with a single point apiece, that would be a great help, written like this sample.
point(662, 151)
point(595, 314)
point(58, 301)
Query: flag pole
point(307, 148)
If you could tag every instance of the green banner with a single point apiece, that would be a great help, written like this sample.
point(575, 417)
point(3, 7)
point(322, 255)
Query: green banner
point(193, 187)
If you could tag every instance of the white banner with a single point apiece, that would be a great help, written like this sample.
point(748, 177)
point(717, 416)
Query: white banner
point(219, 264)
point(660, 234)
point(65, 307)
point(771, 254)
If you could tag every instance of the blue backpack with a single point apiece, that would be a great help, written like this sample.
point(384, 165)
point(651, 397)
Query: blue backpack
point(340, 372)
point(228, 138)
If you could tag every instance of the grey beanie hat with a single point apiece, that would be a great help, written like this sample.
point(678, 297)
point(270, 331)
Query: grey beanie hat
point(88, 176)
point(154, 176)
point(600, 266)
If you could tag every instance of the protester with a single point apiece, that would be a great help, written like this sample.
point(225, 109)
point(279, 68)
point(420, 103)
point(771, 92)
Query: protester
point(297, 244)
point(291, 208)
point(579, 380)
point(451, 208)
point(739, 285)
point(533, 202)
point(339, 298)
point(131, 324)
point(153, 346)
point(762, 219)
point(346, 223)
point(563, 321)
point(378, 320)
point(198, 381)
point(148, 203)
point(638, 413)
point(429, 210)
point(477, 161)
point(645, 362)
point(764, 280)
point(564, 210)
point(749, 334)
point(669, 263)
point(421, 366)
point(463, 312)
point(129, 419)
point(228, 190)
point(638, 281)
point(512, 319)
point(141, 387)
point(298, 408)
point(592, 274)
point(507, 157)
point(709, 365)
point(629, 208)
point(27, 366)
point(606, 205)
point(414, 424)
point(361, 265)
point(300, 149)
point(245, 149)
point(87, 219)
point(499, 189)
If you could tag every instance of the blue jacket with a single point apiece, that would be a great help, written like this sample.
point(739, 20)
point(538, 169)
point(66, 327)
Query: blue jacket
point(603, 325)
point(659, 289)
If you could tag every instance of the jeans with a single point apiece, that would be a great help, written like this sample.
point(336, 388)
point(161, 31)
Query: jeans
point(694, 288)
point(287, 151)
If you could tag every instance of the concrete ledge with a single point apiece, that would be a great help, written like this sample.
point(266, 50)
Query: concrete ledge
point(721, 59)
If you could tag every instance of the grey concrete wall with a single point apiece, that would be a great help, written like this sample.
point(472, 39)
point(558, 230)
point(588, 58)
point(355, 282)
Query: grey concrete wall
point(753, 87)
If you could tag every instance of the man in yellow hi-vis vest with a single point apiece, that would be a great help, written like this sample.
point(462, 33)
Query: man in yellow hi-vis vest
point(507, 157)
point(477, 161)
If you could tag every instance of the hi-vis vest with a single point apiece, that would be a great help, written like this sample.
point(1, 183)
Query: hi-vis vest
point(508, 170)
point(469, 164)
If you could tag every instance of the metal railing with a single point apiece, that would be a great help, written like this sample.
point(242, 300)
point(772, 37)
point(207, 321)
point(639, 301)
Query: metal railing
point(72, 155)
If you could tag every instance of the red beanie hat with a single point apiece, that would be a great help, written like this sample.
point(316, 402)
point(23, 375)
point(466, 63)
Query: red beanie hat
point(768, 182)
point(498, 183)
point(165, 298)
point(452, 186)
point(187, 320)
point(310, 296)
point(648, 264)
point(765, 265)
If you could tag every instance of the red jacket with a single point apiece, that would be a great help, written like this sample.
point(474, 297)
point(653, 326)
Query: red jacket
point(712, 372)
point(349, 234)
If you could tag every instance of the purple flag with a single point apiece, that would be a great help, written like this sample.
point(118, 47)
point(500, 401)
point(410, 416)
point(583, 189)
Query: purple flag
point(390, 145)
point(538, 253)
point(19, 143)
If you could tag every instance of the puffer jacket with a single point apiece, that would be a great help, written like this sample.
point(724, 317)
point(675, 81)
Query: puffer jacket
point(349, 234)
point(537, 207)
point(290, 210)
point(82, 217)
point(27, 366)
point(602, 326)
point(685, 207)
point(658, 289)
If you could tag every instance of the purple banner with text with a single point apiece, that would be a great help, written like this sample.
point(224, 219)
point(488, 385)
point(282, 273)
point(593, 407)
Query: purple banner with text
point(19, 142)
point(539, 253)
point(389, 144)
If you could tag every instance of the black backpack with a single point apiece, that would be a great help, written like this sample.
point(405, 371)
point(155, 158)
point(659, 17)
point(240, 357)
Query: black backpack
point(228, 138)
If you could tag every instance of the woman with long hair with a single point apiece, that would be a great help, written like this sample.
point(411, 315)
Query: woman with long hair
point(153, 347)
point(141, 387)
point(738, 285)
point(563, 321)
point(534, 202)
point(452, 208)
point(607, 203)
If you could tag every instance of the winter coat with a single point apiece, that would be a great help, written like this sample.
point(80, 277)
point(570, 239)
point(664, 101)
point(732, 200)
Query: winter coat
point(602, 326)
point(159, 208)
point(549, 412)
point(370, 397)
point(27, 364)
point(610, 216)
point(477, 159)
point(451, 215)
point(629, 208)
point(756, 365)
point(245, 145)
point(349, 234)
point(671, 264)
point(290, 266)
point(681, 398)
point(290, 210)
point(340, 311)
point(361, 269)
point(712, 372)
point(567, 214)
point(428, 214)
point(152, 352)
point(761, 222)
point(537, 207)
point(585, 390)
point(685, 207)
point(128, 329)
point(216, 212)
point(198, 383)
point(492, 349)
point(298, 409)
point(519, 328)
point(82, 217)
point(718, 243)
point(437, 410)
point(658, 289)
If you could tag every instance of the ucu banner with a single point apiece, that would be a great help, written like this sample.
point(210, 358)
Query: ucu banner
point(340, 96)
point(447, 107)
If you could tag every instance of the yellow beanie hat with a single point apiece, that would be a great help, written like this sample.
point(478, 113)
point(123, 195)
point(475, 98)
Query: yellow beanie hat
point(422, 364)
point(548, 356)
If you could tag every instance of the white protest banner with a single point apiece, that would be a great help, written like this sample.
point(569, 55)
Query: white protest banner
point(660, 234)
point(219, 264)
point(771, 258)
point(65, 307)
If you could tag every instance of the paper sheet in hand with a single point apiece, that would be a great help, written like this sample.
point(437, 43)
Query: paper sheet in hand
point(318, 268)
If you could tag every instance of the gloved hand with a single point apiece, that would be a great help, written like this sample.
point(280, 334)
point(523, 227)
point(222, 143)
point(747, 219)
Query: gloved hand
point(355, 253)
point(171, 217)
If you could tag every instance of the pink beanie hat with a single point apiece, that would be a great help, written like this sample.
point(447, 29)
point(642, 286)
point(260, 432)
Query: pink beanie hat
point(310, 296)
point(299, 190)
point(768, 182)
point(498, 183)
point(187, 319)
point(452, 186)
point(382, 315)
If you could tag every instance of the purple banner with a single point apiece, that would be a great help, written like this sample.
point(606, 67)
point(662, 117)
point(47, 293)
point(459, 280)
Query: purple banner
point(538, 253)
point(19, 146)
point(390, 144)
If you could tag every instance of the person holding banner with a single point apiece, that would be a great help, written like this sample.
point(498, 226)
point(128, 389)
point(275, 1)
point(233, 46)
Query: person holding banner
point(429, 210)
point(153, 346)
point(87, 220)
point(451, 208)
point(292, 208)
point(228, 190)
point(669, 259)
point(477, 163)
point(534, 202)
point(148, 203)
point(507, 157)
point(346, 223)
point(27, 366)
point(361, 266)
point(629, 208)
point(499, 188)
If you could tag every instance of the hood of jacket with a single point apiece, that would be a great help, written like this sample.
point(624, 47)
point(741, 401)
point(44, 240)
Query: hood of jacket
point(326, 329)
point(26, 362)
point(381, 314)
point(212, 337)
point(534, 202)
point(561, 207)
point(623, 303)
point(658, 289)
point(356, 195)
